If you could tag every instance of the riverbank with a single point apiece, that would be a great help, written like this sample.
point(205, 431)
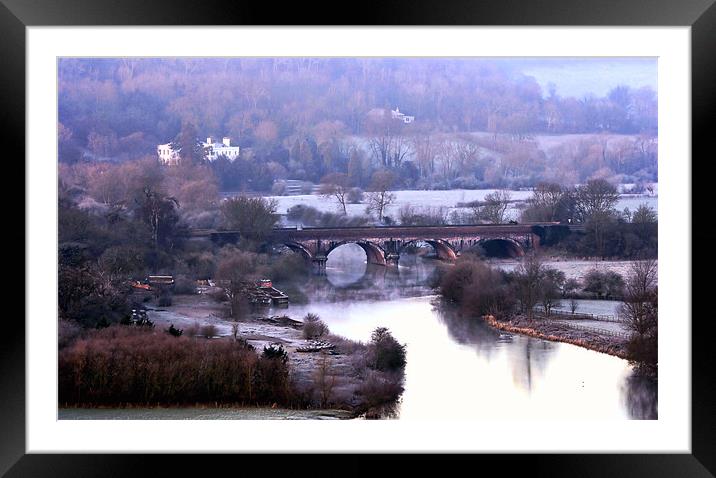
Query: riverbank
point(557, 332)
point(329, 377)
point(198, 413)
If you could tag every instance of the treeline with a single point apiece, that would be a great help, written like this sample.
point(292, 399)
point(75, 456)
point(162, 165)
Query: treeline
point(122, 222)
point(607, 231)
point(533, 290)
point(305, 118)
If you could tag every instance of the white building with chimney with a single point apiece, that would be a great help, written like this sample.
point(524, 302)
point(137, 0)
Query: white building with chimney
point(169, 157)
point(396, 114)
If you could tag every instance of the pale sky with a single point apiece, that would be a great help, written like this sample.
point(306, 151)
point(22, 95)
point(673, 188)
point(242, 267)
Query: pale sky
point(581, 76)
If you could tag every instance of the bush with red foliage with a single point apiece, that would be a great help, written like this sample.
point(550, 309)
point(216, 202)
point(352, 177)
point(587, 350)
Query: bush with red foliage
point(123, 365)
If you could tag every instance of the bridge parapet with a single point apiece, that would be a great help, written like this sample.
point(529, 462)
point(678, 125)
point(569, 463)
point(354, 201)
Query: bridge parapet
point(384, 245)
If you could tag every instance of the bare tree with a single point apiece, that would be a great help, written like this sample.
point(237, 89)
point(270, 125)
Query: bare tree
point(336, 186)
point(639, 307)
point(325, 379)
point(551, 283)
point(573, 305)
point(639, 311)
point(546, 201)
point(425, 149)
point(528, 276)
point(379, 196)
point(252, 217)
point(233, 271)
point(596, 198)
point(160, 212)
point(494, 208)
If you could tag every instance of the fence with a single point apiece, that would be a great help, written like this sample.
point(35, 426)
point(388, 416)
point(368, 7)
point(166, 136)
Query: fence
point(585, 316)
point(596, 330)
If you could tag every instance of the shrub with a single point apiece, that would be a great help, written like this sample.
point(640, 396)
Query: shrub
point(313, 327)
point(606, 285)
point(385, 353)
point(643, 353)
point(121, 365)
point(275, 352)
point(355, 196)
point(477, 288)
point(208, 331)
point(379, 389)
point(278, 188)
point(174, 331)
point(184, 285)
point(287, 267)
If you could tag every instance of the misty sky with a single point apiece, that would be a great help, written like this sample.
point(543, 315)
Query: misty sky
point(580, 76)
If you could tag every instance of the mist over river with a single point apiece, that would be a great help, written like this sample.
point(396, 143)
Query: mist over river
point(458, 367)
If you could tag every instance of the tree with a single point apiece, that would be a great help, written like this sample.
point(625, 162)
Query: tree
point(494, 207)
point(160, 213)
point(549, 202)
point(326, 379)
point(336, 185)
point(479, 289)
point(527, 279)
point(594, 206)
point(595, 199)
point(385, 353)
point(119, 262)
point(379, 195)
point(573, 305)
point(570, 287)
point(252, 217)
point(551, 289)
point(640, 293)
point(645, 223)
point(187, 144)
point(603, 284)
point(235, 269)
point(639, 310)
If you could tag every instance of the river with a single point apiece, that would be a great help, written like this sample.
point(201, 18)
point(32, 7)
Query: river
point(459, 368)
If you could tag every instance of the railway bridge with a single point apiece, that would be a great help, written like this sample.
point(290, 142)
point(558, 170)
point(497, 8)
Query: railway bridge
point(384, 245)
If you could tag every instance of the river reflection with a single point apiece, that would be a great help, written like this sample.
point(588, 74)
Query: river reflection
point(459, 368)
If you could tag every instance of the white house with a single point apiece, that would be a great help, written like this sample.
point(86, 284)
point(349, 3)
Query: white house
point(378, 113)
point(214, 150)
point(168, 156)
point(396, 114)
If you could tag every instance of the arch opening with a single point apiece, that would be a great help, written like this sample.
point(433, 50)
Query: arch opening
point(439, 248)
point(299, 249)
point(372, 253)
point(500, 248)
point(346, 264)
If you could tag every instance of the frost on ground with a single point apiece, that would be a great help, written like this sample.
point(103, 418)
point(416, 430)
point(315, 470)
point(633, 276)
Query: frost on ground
point(431, 199)
point(339, 373)
point(192, 312)
point(559, 331)
point(573, 269)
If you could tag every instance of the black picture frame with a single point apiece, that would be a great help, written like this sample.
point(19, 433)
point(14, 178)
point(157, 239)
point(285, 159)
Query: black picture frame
point(16, 15)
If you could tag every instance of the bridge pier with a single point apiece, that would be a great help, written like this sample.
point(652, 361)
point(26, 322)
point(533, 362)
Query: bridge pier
point(391, 259)
point(319, 265)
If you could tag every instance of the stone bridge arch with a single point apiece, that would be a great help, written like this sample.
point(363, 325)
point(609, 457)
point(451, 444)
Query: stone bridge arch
point(501, 247)
point(443, 249)
point(300, 249)
point(374, 253)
